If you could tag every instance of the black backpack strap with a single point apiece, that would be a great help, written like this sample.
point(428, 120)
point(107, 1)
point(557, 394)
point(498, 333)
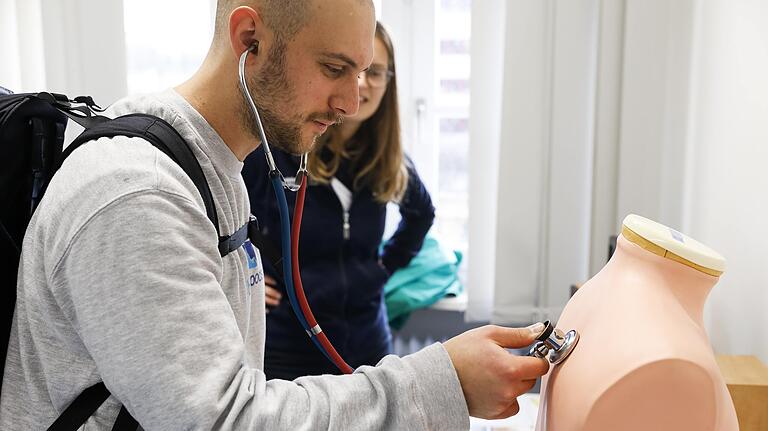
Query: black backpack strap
point(251, 231)
point(85, 405)
point(234, 241)
point(124, 421)
point(81, 408)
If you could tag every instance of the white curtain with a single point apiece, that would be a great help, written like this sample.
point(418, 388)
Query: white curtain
point(532, 156)
point(487, 48)
point(68, 46)
point(21, 45)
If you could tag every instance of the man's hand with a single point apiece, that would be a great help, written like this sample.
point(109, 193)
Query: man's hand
point(272, 296)
point(490, 376)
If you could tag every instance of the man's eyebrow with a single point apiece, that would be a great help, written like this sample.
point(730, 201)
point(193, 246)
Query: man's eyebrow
point(341, 57)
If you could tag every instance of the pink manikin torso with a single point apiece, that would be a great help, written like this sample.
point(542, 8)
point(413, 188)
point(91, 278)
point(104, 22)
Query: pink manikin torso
point(643, 361)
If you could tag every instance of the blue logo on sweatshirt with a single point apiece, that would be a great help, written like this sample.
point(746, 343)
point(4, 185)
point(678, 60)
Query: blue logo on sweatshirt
point(254, 275)
point(252, 262)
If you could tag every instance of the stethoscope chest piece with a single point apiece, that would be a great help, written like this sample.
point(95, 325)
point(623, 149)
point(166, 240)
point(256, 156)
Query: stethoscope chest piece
point(553, 344)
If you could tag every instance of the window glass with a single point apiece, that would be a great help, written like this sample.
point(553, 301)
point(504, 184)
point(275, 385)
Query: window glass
point(162, 51)
point(452, 61)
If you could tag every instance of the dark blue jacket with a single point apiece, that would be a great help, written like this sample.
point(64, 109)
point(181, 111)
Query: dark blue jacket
point(342, 278)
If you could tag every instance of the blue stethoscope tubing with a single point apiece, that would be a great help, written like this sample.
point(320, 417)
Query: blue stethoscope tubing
point(285, 245)
point(278, 184)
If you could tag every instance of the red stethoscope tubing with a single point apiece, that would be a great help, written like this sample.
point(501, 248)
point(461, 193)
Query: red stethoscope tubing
point(310, 318)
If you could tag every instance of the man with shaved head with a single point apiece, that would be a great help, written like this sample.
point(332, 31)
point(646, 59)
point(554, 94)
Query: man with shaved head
point(121, 280)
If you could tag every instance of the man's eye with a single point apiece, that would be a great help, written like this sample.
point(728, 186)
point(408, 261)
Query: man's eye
point(375, 73)
point(334, 70)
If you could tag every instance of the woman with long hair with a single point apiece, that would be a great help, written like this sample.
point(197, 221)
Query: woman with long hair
point(356, 169)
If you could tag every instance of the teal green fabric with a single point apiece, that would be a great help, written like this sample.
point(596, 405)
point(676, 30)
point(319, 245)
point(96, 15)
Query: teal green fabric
point(431, 275)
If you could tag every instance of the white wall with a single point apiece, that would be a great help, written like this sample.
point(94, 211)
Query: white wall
point(728, 182)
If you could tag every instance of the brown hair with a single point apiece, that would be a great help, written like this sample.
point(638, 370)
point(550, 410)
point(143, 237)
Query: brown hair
point(375, 151)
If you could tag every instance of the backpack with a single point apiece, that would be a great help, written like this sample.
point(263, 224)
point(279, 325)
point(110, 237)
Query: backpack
point(32, 129)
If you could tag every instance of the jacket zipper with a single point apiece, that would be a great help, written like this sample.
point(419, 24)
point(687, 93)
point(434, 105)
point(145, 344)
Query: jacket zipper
point(346, 225)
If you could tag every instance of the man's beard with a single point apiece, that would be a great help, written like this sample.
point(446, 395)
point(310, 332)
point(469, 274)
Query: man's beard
point(271, 88)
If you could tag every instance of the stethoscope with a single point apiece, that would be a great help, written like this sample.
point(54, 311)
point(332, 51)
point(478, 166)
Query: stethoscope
point(290, 233)
point(552, 343)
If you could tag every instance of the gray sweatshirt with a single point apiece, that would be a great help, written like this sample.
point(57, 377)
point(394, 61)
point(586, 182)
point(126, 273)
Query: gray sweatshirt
point(121, 280)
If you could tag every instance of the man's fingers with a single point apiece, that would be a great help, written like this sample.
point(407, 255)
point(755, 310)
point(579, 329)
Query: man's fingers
point(523, 386)
point(529, 384)
point(530, 368)
point(515, 338)
point(519, 388)
point(512, 410)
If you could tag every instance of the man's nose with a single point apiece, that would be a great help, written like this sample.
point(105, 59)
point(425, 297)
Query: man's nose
point(347, 99)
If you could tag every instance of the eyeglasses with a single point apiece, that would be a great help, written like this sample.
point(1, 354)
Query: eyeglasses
point(376, 77)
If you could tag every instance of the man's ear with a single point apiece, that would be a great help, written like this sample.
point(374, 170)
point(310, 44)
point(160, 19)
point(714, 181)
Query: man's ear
point(246, 29)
